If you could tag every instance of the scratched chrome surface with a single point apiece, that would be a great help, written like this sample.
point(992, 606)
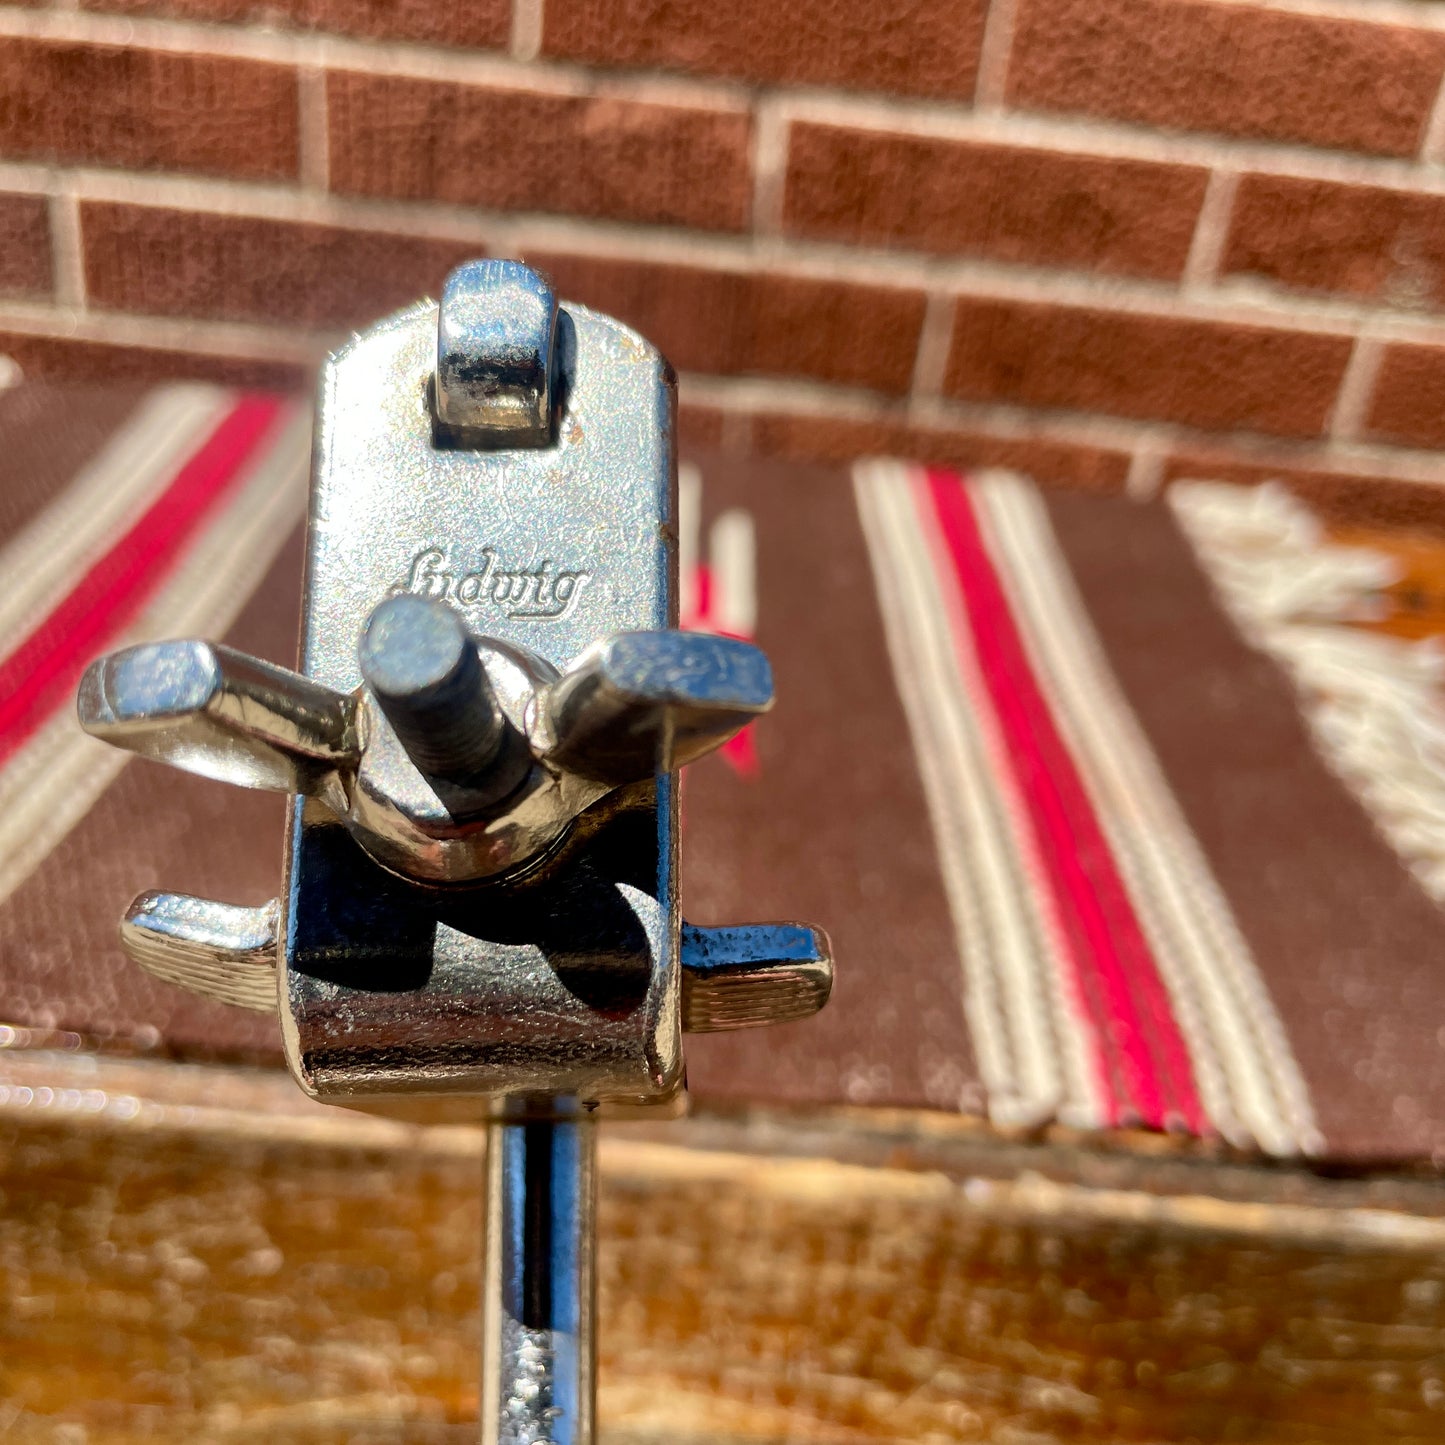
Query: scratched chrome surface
point(566, 984)
point(550, 548)
point(539, 1297)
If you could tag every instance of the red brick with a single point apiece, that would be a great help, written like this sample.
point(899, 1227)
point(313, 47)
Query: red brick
point(1195, 65)
point(831, 439)
point(1036, 207)
point(531, 151)
point(699, 429)
point(1163, 368)
point(1340, 498)
point(73, 359)
point(481, 24)
point(727, 322)
point(909, 47)
point(1367, 241)
point(24, 246)
point(147, 109)
point(242, 268)
point(1409, 400)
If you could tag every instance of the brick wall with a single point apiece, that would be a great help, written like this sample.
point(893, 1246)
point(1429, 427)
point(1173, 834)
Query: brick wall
point(1108, 241)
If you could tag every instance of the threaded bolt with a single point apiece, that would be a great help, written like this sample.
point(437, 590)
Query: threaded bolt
point(423, 668)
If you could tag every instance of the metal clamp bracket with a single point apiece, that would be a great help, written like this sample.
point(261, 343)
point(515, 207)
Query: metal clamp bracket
point(479, 912)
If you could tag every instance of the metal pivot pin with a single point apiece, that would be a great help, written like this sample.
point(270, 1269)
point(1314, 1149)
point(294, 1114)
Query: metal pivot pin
point(480, 743)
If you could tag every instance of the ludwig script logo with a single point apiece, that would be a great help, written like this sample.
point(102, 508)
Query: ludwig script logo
point(543, 591)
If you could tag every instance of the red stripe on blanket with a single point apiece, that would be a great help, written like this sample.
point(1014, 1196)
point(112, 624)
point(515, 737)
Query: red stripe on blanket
point(1134, 1022)
point(41, 674)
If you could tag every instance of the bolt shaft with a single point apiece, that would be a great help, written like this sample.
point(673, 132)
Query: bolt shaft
point(423, 668)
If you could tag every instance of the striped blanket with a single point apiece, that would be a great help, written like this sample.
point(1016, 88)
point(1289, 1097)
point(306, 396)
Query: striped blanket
point(1089, 854)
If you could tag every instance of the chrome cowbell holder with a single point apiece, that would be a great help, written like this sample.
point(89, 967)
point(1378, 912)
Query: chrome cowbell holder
point(479, 914)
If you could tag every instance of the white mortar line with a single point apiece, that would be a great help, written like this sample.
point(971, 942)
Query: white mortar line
point(1128, 434)
point(1401, 14)
point(526, 38)
point(993, 55)
point(770, 167)
point(935, 337)
point(770, 396)
point(1104, 139)
point(1357, 388)
point(31, 178)
point(486, 68)
point(95, 28)
point(1406, 464)
point(230, 339)
point(1146, 466)
point(67, 250)
point(1432, 143)
point(1417, 15)
point(315, 129)
point(1237, 303)
point(389, 57)
point(1211, 230)
point(942, 119)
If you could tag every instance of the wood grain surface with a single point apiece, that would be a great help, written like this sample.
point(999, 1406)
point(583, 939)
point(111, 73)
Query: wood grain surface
point(191, 1253)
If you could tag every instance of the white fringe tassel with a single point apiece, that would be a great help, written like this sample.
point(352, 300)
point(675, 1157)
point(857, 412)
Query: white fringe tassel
point(1373, 702)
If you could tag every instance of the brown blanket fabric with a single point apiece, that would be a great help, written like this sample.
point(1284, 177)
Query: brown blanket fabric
point(1081, 857)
